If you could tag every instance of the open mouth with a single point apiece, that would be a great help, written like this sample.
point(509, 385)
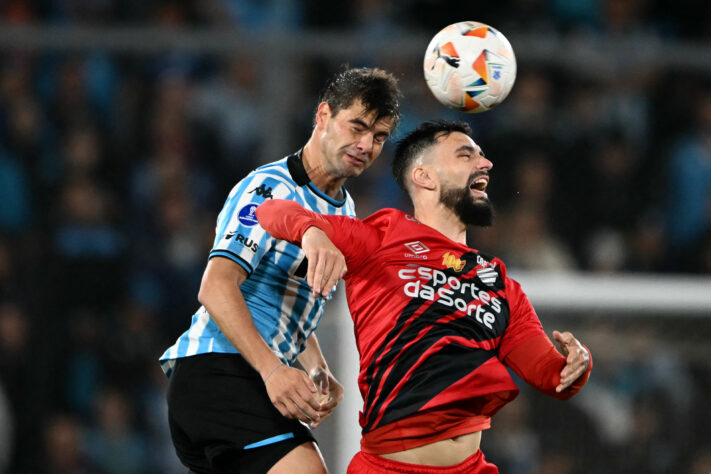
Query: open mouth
point(479, 184)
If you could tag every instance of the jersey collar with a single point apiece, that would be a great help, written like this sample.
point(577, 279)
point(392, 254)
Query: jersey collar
point(301, 177)
point(297, 170)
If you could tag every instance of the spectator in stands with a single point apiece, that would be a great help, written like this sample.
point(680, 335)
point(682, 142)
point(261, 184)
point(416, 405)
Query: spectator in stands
point(64, 449)
point(113, 444)
point(689, 184)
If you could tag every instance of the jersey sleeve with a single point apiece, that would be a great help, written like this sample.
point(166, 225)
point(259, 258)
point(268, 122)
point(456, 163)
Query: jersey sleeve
point(539, 363)
point(288, 220)
point(238, 235)
point(529, 352)
point(523, 320)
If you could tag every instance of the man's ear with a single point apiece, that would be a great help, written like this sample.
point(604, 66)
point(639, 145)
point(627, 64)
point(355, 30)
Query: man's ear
point(423, 177)
point(323, 113)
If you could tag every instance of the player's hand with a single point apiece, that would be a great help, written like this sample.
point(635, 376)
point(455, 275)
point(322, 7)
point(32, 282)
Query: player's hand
point(577, 359)
point(326, 263)
point(294, 394)
point(330, 393)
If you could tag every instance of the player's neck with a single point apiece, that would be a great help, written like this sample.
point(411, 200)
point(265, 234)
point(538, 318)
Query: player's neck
point(318, 175)
point(443, 220)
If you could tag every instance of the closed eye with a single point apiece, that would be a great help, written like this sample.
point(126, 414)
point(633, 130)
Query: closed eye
point(381, 137)
point(359, 126)
point(465, 151)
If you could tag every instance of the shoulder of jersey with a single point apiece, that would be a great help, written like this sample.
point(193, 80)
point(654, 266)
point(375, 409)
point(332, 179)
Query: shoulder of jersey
point(387, 216)
point(487, 256)
point(276, 171)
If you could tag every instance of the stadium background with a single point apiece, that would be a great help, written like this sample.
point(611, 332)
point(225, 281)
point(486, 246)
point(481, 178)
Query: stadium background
point(123, 125)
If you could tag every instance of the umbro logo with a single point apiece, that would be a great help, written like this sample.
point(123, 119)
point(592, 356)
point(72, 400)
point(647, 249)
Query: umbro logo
point(417, 248)
point(263, 191)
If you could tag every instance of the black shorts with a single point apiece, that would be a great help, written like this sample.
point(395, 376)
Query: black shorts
point(221, 418)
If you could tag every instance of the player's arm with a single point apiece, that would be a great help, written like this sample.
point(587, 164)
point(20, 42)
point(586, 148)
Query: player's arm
point(558, 374)
point(330, 390)
point(329, 242)
point(290, 390)
point(528, 351)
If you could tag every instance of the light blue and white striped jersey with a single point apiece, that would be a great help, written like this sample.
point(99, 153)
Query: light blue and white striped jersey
point(276, 292)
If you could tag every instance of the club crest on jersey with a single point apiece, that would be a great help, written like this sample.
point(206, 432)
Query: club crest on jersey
point(246, 215)
point(450, 261)
point(487, 275)
point(417, 248)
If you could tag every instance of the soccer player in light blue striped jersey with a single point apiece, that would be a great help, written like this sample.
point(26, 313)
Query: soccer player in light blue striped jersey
point(235, 402)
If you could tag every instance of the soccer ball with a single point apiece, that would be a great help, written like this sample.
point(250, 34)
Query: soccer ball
point(470, 67)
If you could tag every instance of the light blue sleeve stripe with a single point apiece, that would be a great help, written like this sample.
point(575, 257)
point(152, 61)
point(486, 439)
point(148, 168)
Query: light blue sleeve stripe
point(268, 441)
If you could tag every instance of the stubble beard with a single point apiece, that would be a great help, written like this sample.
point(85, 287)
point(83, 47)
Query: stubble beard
point(341, 169)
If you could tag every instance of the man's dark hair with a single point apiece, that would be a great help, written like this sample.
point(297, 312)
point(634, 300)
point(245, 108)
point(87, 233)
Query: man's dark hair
point(377, 90)
point(418, 140)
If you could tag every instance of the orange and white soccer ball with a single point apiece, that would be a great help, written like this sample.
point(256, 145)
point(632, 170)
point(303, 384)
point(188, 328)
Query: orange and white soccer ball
point(470, 67)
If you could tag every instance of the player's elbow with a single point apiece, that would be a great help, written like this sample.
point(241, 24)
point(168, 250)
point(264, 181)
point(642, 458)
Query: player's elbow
point(205, 293)
point(209, 290)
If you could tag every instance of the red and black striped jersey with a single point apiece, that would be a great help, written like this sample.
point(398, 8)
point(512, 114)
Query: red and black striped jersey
point(434, 319)
point(436, 324)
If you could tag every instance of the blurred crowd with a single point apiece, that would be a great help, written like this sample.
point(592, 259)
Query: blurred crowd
point(642, 411)
point(113, 168)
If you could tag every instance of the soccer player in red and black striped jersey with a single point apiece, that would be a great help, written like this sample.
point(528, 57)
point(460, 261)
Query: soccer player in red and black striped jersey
point(436, 322)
